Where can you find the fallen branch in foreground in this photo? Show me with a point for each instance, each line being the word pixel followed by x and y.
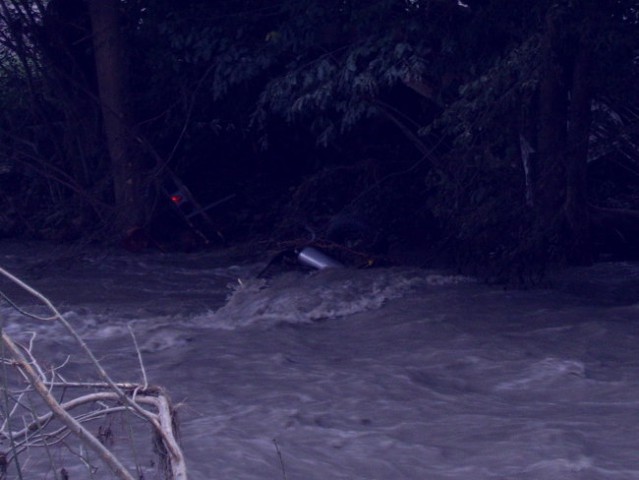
pixel 109 397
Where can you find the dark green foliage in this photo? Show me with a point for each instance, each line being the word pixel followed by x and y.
pixel 445 97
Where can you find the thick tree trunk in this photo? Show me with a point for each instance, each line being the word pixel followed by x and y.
pixel 109 51
pixel 576 161
pixel 549 182
pixel 561 208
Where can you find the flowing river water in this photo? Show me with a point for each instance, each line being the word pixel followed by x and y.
pixel 386 373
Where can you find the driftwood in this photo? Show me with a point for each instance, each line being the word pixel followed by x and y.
pixel 106 398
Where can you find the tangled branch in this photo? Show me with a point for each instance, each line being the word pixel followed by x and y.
pixel 110 397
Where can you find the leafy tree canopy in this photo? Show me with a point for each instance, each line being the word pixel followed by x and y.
pixel 474 106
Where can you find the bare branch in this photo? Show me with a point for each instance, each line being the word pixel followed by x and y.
pixel 112 398
pixel 68 420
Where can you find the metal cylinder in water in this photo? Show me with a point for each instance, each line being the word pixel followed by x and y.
pixel 312 257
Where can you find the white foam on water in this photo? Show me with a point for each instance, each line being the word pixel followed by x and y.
pixel 546 373
pixel 414 375
pixel 298 298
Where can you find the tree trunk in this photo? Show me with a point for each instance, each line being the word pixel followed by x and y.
pixel 561 208
pixel 110 54
pixel 549 182
pixel 579 241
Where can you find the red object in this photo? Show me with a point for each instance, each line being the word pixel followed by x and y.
pixel 177 198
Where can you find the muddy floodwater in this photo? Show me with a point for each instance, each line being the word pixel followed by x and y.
pixel 379 374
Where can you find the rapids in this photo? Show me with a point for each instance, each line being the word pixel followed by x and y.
pixel 379 374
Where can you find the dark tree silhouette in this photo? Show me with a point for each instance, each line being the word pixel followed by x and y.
pixel 111 71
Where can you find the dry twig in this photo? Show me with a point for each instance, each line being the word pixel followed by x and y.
pixel 129 397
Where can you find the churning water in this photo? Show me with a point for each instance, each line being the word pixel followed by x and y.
pixel 389 373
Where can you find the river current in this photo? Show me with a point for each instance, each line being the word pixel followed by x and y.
pixel 378 374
